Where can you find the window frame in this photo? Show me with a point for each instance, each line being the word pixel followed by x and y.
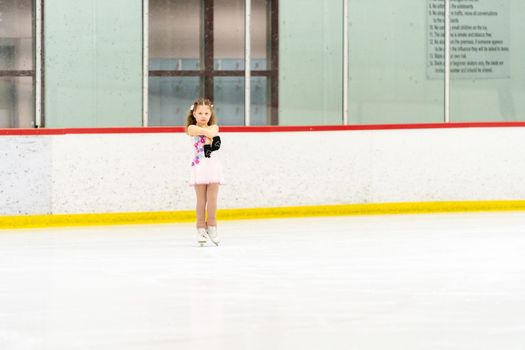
pixel 37 71
pixel 208 73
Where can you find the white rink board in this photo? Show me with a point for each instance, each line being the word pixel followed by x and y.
pixel 104 173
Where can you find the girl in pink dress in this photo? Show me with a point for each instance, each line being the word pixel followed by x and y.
pixel 206 169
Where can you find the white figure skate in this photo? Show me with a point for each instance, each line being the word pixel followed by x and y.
pixel 202 236
pixel 212 234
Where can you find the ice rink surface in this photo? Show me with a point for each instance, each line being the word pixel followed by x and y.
pixel 443 281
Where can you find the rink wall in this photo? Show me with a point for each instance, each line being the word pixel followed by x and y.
pixel 136 173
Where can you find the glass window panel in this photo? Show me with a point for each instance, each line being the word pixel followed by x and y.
pixel 228 31
pixel 16 35
pixel 259 34
pixel 311 61
pixel 93 63
pixel 229 100
pixel 174 34
pixel 396 61
pixel 16 102
pixel 170 98
pixel 487 61
pixel 396 64
pixel 259 111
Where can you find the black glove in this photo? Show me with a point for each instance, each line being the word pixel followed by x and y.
pixel 215 145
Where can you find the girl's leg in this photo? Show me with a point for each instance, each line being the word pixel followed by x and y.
pixel 200 191
pixel 211 199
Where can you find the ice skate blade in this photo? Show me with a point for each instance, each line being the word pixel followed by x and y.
pixel 216 243
pixel 202 244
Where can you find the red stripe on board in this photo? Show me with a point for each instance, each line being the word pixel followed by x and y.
pixel 120 130
pixel 178 129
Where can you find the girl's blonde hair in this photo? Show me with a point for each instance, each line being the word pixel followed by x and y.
pixel 190 119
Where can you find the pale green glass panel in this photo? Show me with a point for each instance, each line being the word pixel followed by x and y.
pixel 396 72
pixel 93 63
pixel 488 61
pixel 310 62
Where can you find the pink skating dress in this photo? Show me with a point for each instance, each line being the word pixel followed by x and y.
pixel 205 170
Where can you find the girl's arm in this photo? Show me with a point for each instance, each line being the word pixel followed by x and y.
pixel 194 130
pixel 215 129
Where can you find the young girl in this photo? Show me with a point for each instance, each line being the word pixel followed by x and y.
pixel 206 169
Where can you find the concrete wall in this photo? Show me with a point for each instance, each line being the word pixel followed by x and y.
pixel 101 173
